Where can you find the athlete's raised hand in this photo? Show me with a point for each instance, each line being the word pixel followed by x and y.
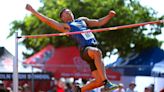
pixel 29 8
pixel 112 13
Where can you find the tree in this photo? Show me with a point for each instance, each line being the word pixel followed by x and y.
pixel 124 40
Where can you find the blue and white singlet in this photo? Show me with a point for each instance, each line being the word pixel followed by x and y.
pixel 83 39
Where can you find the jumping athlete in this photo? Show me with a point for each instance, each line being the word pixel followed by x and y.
pixel 87 43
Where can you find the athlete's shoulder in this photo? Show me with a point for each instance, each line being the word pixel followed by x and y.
pixel 83 18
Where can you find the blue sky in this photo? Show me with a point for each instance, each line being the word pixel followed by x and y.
pixel 15 10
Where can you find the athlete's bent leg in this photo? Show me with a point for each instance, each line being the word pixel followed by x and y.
pixel 96 55
pixel 98 70
pixel 96 82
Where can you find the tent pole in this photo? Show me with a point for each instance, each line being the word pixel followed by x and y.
pixel 15 65
pixel 32 79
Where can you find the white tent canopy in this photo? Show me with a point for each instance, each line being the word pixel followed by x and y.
pixel 6 63
pixel 158 69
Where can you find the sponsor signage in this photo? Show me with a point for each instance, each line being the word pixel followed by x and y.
pixel 26 76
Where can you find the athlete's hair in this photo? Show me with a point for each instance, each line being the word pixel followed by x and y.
pixel 62 12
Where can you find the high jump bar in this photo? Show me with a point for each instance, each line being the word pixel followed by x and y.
pixel 93 30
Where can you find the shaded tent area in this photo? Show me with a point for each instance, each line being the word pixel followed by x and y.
pixel 65 62
pixel 26 74
pixel 139 63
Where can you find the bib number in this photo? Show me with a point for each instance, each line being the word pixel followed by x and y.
pixel 88 35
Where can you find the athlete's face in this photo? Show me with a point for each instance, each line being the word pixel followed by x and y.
pixel 67 15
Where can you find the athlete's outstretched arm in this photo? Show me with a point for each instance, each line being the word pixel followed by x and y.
pixel 101 21
pixel 52 23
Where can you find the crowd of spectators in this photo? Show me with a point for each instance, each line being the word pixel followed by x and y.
pixel 64 85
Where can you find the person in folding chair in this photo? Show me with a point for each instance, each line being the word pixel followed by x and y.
pixel 87 43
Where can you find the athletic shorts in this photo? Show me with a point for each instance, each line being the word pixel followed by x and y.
pixel 84 55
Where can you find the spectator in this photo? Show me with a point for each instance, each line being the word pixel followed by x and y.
pixel 69 87
pixel 26 88
pixel 2 87
pixel 162 90
pixel 9 89
pixel 53 89
pixel 147 89
pixel 132 85
pixel 151 87
pixel 120 89
pixel 61 86
pixel 20 89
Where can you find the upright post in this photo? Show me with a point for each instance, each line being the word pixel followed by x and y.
pixel 15 65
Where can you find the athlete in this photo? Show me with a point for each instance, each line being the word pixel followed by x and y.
pixel 87 43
